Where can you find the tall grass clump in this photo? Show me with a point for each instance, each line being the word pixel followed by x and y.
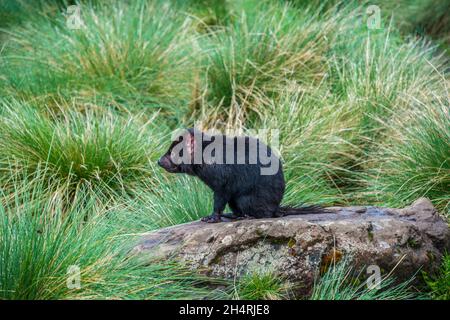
pixel 373 74
pixel 439 283
pixel 341 282
pixel 134 54
pixel 77 149
pixel 414 159
pixel 262 286
pixel 263 51
pixel 373 71
pixel 42 241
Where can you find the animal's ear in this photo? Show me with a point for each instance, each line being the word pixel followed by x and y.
pixel 190 143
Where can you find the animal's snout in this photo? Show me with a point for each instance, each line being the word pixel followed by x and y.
pixel 161 162
pixel 164 162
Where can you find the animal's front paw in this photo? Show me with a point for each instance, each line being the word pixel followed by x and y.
pixel 214 218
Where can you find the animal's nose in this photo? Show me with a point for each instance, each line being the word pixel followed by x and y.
pixel 160 162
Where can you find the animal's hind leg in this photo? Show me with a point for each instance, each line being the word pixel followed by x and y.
pixel 256 206
pixel 236 212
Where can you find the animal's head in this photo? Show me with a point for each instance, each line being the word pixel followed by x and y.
pixel 179 158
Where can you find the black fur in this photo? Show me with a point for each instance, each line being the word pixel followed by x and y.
pixel 242 186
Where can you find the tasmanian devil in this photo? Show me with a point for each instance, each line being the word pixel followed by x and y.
pixel 242 172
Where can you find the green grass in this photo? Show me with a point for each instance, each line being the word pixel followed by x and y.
pixel 123 54
pixel 262 286
pixel 41 238
pixel 262 52
pixel 439 283
pixel 168 201
pixel 414 158
pixel 77 148
pixel 341 282
pixel 362 117
pixel 412 17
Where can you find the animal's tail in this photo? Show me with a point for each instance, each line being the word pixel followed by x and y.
pixel 289 211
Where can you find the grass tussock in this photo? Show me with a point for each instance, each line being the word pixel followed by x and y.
pixel 342 282
pixel 76 149
pixel 414 158
pixel 438 283
pixel 262 286
pixel 121 54
pixel 262 53
pixel 42 241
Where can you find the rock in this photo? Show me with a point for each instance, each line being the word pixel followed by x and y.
pixel 297 247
